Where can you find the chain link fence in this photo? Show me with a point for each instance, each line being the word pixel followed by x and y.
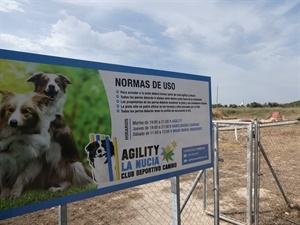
pixel 193 213
pixel 278 200
pixel 235 148
pixel 279 194
pixel 146 204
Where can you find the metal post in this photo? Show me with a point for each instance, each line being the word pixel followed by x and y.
pixel 196 181
pixel 256 178
pixel 175 191
pixel 62 215
pixel 204 189
pixel 264 154
pixel 216 177
pixel 249 173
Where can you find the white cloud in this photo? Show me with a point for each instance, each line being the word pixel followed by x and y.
pixel 10 5
pixel 72 35
pixel 22 44
pixel 237 44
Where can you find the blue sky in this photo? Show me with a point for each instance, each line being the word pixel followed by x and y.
pixel 249 48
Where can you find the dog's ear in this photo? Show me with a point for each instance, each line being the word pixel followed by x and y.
pixel 91 147
pixel 6 95
pixel 41 100
pixel 64 82
pixel 64 79
pixel 35 77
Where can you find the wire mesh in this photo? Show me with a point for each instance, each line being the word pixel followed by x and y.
pixel 281 145
pixel 146 204
pixel 233 173
pixel 193 213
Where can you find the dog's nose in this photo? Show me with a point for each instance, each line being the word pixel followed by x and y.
pixel 51 87
pixel 13 123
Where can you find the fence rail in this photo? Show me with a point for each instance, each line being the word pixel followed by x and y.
pixel 235 148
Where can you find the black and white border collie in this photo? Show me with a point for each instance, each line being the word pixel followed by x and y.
pixel 97 156
pixel 24 139
pixel 64 166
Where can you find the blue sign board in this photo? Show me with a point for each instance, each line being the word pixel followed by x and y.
pixel 73 129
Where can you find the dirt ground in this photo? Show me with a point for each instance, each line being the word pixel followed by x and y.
pixel 151 203
pixel 281 145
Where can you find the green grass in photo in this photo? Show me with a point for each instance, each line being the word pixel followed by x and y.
pixel 34 196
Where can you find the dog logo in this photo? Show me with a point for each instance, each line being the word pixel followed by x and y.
pixel 102 158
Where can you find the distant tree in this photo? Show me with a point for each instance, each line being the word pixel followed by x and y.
pixel 273 104
pixel 292 104
pixel 232 106
pixel 255 105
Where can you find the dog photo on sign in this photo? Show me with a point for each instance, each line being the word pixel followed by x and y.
pixel 46 111
pixel 102 159
pixel 66 168
pixel 36 145
pixel 24 139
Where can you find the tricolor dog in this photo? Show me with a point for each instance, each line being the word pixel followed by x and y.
pixel 24 139
pixel 64 166
pixel 98 159
pixel 54 86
